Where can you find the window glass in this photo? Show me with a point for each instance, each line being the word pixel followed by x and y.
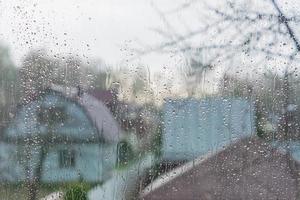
pixel 67 158
pixel 159 99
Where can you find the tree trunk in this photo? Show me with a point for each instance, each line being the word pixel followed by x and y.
pixel 33 182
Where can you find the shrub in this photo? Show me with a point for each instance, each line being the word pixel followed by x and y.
pixel 125 154
pixel 76 191
pixel 157 141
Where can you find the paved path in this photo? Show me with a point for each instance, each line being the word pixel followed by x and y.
pixel 54 196
pixel 123 183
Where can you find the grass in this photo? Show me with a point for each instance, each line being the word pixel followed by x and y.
pixel 10 191
pixel 18 191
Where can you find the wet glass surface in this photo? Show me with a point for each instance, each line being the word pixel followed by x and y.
pixel 138 99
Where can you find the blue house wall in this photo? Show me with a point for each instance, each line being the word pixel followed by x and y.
pixel 94 157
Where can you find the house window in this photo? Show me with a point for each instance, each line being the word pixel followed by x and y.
pixel 66 158
pixel 51 115
pixel 125 153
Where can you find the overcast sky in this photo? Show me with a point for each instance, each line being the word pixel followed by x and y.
pixel 106 29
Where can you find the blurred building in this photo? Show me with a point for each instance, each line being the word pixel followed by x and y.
pixel 108 97
pixel 65 133
pixel 250 168
pixel 193 128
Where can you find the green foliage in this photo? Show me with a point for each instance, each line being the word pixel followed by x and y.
pixel 157 141
pixel 100 79
pixel 8 85
pixel 259 127
pixel 77 191
pixel 125 153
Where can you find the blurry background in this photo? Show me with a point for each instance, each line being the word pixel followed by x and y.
pixel 134 56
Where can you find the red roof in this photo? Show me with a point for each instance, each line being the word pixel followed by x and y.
pixel 247 169
pixel 106 96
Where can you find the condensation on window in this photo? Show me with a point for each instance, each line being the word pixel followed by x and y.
pixel 138 99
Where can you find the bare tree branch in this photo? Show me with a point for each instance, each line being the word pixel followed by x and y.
pixel 283 19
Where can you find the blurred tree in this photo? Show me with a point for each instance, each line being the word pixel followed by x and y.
pixel 258 33
pixel 71 72
pixel 269 33
pixel 102 78
pixel 31 152
pixel 8 99
pixel 235 87
pixel 98 79
pixel 141 86
pixel 37 72
pixel 195 71
pixel 8 86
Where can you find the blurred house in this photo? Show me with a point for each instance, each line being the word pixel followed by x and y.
pixel 108 97
pixel 138 122
pixel 132 118
pixel 79 131
pixel 193 128
pixel 247 169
